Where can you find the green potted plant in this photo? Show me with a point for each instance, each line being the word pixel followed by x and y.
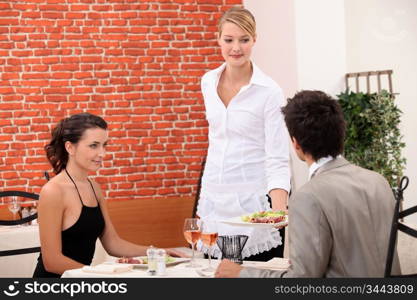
pixel 373 138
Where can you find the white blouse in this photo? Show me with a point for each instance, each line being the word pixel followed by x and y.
pixel 248 140
pixel 247 157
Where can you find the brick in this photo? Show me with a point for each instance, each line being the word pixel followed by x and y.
pixel 10 175
pixel 6 90
pixel 12 98
pixel 20 182
pixel 9 22
pixel 146 192
pixel 75 15
pixel 166 191
pixel 76 7
pixel 4 6
pixel 101 7
pixel 138 65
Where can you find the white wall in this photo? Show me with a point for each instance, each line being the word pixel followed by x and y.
pixel 320 44
pixel 387 39
pixel 301 44
pixel 382 34
pixel 275 53
pixel 306 44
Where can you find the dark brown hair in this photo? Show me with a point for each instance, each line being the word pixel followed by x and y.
pixel 69 130
pixel 316 121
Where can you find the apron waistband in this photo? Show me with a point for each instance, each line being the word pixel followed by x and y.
pixel 246 187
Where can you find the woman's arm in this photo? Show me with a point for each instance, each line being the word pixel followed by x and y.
pixel 50 213
pixel 277 151
pixel 279 199
pixel 113 243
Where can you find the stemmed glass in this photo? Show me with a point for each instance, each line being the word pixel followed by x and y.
pixel 209 236
pixel 192 232
pixel 14 206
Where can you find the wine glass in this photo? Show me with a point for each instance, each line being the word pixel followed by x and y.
pixel 209 236
pixel 192 232
pixel 14 206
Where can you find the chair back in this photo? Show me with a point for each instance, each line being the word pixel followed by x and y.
pixel 397 225
pixel 21 194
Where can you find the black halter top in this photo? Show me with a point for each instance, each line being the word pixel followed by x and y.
pixel 79 240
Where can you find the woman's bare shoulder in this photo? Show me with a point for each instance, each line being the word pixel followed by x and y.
pixel 97 190
pixel 52 192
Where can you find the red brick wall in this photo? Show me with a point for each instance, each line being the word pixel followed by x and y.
pixel 138 64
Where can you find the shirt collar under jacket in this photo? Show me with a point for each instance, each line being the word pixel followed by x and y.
pixel 258 77
pixel 317 164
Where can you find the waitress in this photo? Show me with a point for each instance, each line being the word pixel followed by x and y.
pixel 248 154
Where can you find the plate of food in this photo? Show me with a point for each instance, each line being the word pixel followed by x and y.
pixel 266 219
pixel 142 261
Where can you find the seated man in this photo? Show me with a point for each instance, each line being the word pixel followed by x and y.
pixel 340 219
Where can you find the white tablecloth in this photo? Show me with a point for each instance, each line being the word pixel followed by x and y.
pixel 177 271
pixel 12 238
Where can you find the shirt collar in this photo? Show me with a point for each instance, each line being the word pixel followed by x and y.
pixel 317 164
pixel 258 77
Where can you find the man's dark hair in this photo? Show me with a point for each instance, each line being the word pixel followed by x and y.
pixel 316 121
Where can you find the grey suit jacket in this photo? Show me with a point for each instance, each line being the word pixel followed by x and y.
pixel 339 225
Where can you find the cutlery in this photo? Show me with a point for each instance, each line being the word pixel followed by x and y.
pixel 205 274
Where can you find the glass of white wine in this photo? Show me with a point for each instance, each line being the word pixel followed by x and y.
pixel 14 206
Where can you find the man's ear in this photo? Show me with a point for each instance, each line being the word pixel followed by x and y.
pixel 295 144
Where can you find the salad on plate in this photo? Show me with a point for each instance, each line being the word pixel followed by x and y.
pixel 269 216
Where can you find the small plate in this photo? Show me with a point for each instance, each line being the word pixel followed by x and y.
pixel 237 221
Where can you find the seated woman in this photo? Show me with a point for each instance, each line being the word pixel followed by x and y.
pixel 72 210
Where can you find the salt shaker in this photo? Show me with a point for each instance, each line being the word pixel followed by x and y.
pixel 151 253
pixel 160 262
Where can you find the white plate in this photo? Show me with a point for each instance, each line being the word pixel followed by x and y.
pixel 174 261
pixel 237 221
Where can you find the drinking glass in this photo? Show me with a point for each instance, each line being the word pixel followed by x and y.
pixel 209 236
pixel 14 206
pixel 192 233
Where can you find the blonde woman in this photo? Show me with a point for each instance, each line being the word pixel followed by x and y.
pixel 248 152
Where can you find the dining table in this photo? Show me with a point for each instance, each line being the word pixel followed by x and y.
pixel 27 236
pixel 112 269
pixel 18 237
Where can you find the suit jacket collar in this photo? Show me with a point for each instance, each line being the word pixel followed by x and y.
pixel 335 163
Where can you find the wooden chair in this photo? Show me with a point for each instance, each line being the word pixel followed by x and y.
pixel 157 222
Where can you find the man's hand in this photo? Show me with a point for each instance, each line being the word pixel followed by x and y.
pixel 227 269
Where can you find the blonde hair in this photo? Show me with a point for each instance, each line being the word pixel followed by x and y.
pixel 240 17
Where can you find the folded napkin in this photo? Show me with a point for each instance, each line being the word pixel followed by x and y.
pixel 107 269
pixel 276 263
pixel 5 228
